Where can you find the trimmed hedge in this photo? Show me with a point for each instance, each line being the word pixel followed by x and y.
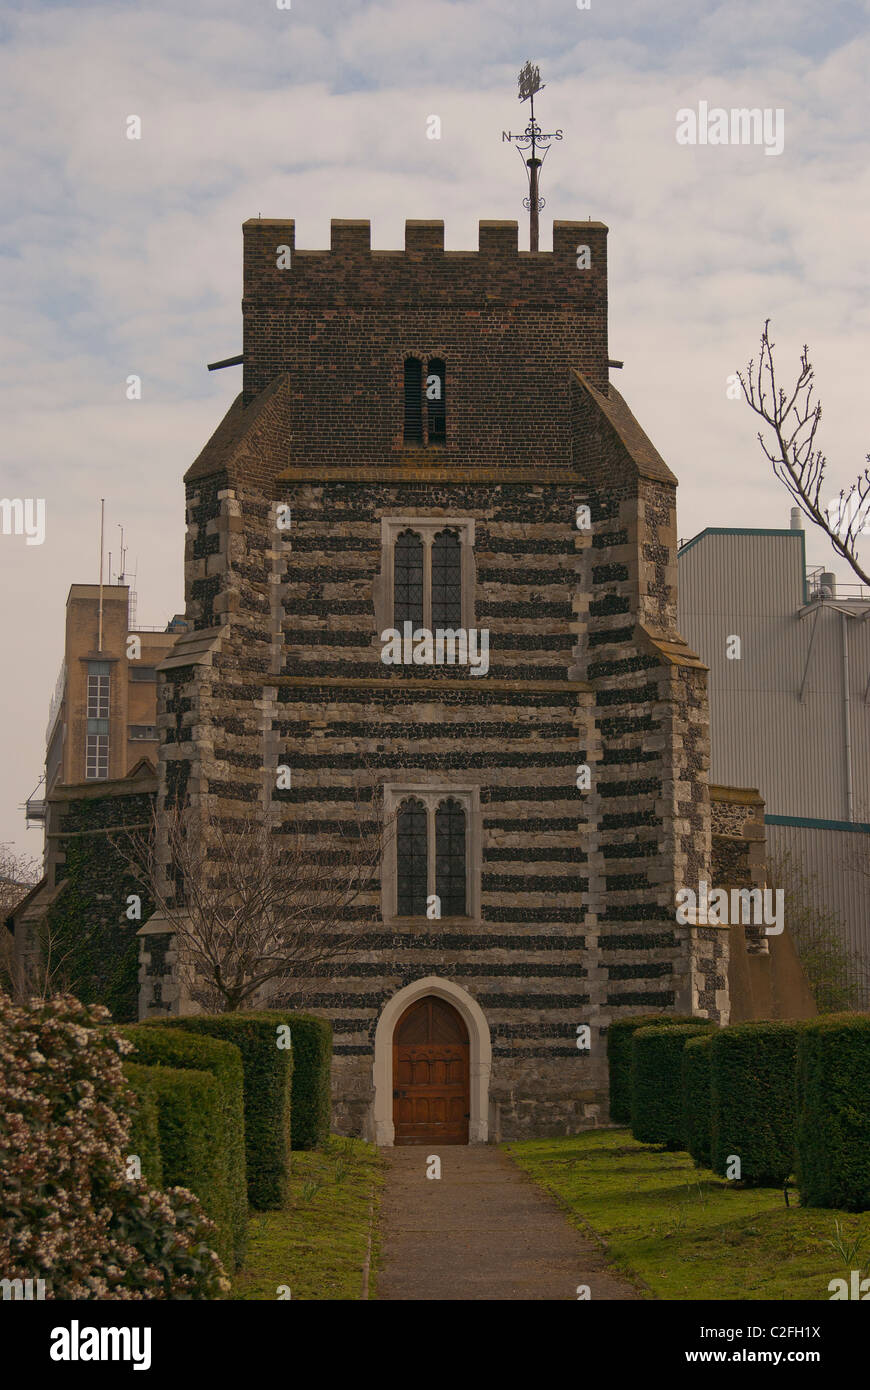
pixel 145 1128
pixel 657 1082
pixel 175 1048
pixel 192 1142
pixel 752 1100
pixel 619 1035
pixel 312 1078
pixel 832 1132
pixel 696 1097
pixel 268 1075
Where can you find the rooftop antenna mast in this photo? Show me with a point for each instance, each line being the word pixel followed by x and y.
pixel 100 618
pixel 532 143
pixel 123 554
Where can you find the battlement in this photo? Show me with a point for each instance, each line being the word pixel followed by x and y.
pixel 353 236
pixel 508 323
pixel 275 269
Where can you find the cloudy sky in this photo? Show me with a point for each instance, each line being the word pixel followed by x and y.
pixel 120 256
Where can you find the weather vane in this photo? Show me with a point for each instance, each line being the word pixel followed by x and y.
pixel 533 141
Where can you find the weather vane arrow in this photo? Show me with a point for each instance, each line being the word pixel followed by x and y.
pixel 534 143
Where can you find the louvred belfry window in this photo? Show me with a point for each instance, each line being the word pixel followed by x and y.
pixel 408 579
pixel 436 408
pixel 413 400
pixel 412 859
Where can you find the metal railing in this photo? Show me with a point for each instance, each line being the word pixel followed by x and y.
pixel 845 591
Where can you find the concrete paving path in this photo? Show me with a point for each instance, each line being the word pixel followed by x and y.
pixel 483 1230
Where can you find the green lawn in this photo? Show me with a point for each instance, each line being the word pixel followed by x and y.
pixel 684 1232
pixel 317 1245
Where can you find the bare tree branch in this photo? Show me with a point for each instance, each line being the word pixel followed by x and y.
pixel 18 874
pixel 796 461
pixel 253 904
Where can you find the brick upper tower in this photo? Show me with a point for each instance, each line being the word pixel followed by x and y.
pixel 509 325
pixel 558 894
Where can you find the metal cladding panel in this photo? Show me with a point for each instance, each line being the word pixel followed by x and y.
pixel 762 735
pixel 836 865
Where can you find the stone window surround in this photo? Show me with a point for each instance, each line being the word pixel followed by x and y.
pixel 432 794
pixel 427 527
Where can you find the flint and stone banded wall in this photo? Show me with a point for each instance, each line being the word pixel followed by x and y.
pixel 576 922
pixel 577 889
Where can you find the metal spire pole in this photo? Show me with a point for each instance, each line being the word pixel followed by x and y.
pixel 535 143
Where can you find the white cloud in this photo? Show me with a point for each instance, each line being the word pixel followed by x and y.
pixel 121 256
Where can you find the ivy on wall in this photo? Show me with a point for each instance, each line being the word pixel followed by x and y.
pixel 87 939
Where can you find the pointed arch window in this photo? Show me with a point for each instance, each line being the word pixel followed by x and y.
pixel 446 580
pixel 450 857
pixel 408 578
pixel 431 573
pixel 412 858
pixel 435 852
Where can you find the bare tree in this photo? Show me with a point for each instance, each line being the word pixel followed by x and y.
pixel 254 905
pixel 18 874
pixel 794 420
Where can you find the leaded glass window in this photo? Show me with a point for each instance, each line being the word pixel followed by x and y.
pixel 450 858
pixel 408 579
pixel 412 859
pixel 446 580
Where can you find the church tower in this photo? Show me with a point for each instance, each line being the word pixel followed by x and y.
pixel 440 429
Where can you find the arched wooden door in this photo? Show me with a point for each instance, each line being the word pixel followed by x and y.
pixel 431 1099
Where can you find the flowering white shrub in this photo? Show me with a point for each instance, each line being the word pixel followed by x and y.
pixel 68 1213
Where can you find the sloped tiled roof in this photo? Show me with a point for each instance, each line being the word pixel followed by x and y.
pixel 637 449
pixel 245 429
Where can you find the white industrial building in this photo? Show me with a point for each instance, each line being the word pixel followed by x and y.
pixel 789 655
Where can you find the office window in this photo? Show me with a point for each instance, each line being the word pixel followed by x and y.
pixel 98 689
pixel 143 673
pixel 139 732
pixel 97 756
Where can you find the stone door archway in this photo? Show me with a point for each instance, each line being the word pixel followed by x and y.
pixel 479 1056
